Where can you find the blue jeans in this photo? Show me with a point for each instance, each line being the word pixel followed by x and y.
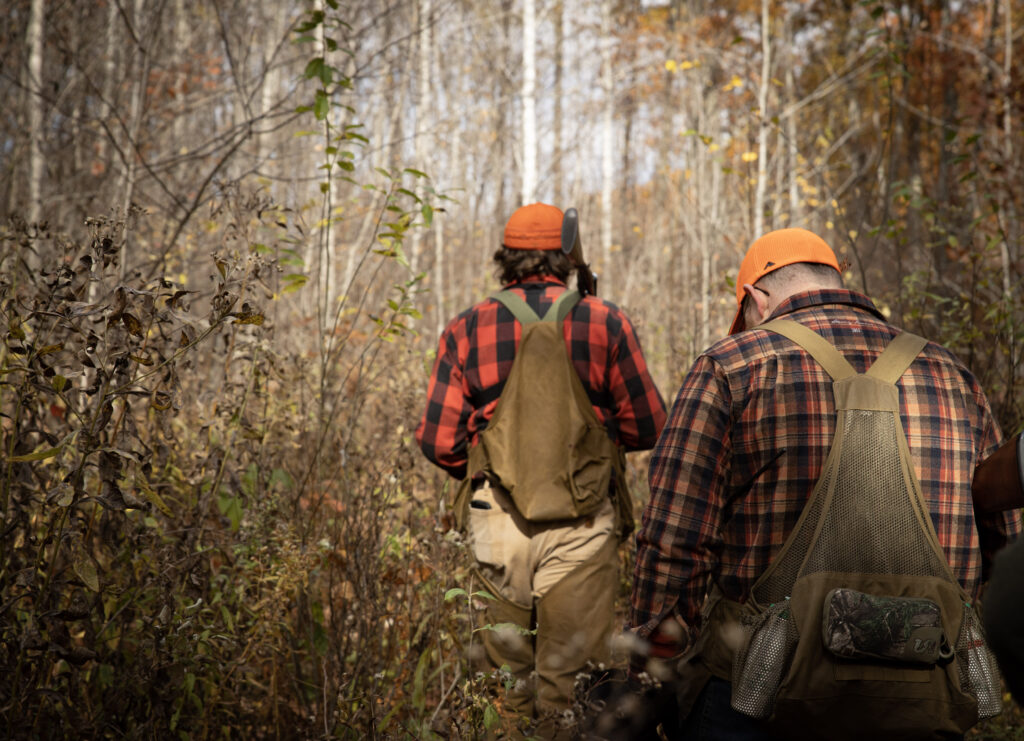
pixel 713 719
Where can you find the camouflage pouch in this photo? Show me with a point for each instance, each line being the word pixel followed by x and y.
pixel 856 625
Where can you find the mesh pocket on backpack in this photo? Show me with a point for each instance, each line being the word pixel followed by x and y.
pixel 763 659
pixel 979 673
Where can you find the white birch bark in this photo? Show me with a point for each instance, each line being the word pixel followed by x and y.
pixel 558 175
pixel 424 10
pixel 529 101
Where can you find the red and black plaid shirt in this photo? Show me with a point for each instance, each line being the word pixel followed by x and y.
pixel 475 356
pixel 747 438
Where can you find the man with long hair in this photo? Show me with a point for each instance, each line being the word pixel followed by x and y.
pixel 554 577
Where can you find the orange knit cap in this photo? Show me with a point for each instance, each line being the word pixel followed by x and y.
pixel 534 227
pixel 773 251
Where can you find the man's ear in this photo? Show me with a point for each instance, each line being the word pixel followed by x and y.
pixel 760 300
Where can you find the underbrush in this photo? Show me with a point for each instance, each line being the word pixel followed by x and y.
pixel 202 534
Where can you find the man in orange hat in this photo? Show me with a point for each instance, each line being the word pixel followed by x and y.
pixel 544 541
pixel 742 451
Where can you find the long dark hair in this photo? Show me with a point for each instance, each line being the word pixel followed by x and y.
pixel 515 265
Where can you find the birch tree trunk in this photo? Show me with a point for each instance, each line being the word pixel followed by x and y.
pixel 34 98
pixel 762 112
pixel 529 101
pixel 557 175
pixel 422 102
pixel 440 314
pixel 607 134
pixel 326 252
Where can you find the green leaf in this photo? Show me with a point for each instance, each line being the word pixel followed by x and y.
pixel 250 480
pixel 59 383
pixel 455 592
pixel 280 477
pixel 321 106
pixel 491 718
pixel 313 68
pixel 230 507
pixel 294 282
pixel 428 214
pixel 416 173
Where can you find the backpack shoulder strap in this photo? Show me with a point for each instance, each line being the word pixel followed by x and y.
pixel 819 348
pixel 519 308
pixel 560 309
pixel 897 357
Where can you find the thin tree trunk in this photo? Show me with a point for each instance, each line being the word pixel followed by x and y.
pixel 34 42
pixel 762 112
pixel 529 101
pixel 1008 210
pixel 607 134
pixel 131 142
pixel 1008 204
pixel 422 101
pixel 791 150
pixel 183 54
pixel 556 155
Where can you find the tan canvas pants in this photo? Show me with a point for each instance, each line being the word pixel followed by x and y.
pixel 558 578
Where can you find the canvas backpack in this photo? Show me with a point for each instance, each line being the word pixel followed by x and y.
pixel 858 628
pixel 544 444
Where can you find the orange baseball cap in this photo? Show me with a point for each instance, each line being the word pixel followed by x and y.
pixel 775 250
pixel 534 227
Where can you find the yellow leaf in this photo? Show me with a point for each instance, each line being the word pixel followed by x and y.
pixel 734 83
pixel 156 500
pixel 688 65
pixel 39 455
pixel 853 234
pixel 670 65
pixel 829 225
pixel 713 147
pixel 749 156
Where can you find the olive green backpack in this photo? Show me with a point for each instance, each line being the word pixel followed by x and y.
pixel 544 444
pixel 858 628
